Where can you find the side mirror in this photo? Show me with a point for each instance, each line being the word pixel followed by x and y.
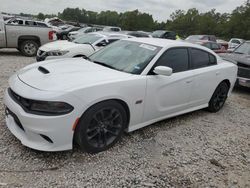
pixel 162 70
pixel 101 44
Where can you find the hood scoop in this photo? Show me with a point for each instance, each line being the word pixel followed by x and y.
pixel 43 70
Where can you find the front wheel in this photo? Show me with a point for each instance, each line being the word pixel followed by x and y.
pixel 219 97
pixel 29 48
pixel 101 126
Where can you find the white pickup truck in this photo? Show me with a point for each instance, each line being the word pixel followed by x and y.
pixel 27 39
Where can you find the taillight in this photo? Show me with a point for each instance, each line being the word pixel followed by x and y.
pixel 51 35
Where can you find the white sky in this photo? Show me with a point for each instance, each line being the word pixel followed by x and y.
pixel 160 9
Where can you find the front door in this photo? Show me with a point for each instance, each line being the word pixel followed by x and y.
pixel 166 95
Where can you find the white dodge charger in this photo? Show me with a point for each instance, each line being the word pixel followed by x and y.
pixel 128 85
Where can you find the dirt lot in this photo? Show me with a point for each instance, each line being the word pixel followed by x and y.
pixel 199 149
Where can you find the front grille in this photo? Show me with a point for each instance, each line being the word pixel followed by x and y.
pixel 243 70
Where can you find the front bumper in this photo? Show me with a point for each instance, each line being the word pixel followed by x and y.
pixel 44 133
pixel 245 82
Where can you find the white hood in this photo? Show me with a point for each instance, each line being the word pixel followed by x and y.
pixel 68 74
pixel 59 45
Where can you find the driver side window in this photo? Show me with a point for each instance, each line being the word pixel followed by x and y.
pixel 176 58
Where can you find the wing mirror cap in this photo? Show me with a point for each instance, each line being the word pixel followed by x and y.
pixel 164 71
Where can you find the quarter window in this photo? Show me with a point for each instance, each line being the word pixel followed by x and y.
pixel 201 59
pixel 177 59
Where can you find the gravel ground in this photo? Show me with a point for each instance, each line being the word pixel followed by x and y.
pixel 199 149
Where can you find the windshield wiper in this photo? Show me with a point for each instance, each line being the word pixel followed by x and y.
pixel 87 58
pixel 105 65
pixel 89 44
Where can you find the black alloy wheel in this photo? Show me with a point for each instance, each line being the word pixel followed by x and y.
pixel 101 126
pixel 219 97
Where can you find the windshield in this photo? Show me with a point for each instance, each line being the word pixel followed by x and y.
pixel 88 38
pixel 158 33
pixel 243 49
pixel 127 56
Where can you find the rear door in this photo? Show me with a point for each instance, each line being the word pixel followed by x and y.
pixel 207 75
pixel 2 34
pixel 166 95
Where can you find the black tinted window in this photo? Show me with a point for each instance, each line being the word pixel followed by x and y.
pixel 201 58
pixel 177 59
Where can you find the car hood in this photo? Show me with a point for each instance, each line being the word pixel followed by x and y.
pixel 239 58
pixel 68 74
pixel 58 45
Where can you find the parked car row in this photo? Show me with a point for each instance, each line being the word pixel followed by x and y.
pixel 80 47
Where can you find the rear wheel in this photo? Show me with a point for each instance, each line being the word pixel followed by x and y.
pixel 29 48
pixel 101 126
pixel 219 97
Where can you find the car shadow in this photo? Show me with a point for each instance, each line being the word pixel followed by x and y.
pixel 10 52
pixel 241 90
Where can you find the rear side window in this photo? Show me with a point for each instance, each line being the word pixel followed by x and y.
pixel 201 59
pixel 176 58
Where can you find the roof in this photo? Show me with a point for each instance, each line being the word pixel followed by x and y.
pixel 166 43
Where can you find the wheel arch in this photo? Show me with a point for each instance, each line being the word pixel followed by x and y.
pixel 29 37
pixel 227 82
pixel 120 101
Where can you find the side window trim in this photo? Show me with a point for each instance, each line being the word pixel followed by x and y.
pixel 209 54
pixel 180 47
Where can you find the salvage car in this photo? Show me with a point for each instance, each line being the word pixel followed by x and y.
pixel 201 37
pixel 80 47
pixel 234 43
pixel 241 56
pixel 76 34
pixel 127 85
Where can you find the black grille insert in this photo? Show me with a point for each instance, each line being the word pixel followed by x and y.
pixel 17 121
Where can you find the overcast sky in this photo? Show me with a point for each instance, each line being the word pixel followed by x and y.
pixel 160 9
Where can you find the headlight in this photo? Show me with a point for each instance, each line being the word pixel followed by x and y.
pixel 41 107
pixel 57 53
pixel 49 108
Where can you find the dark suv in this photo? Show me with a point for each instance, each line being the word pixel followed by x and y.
pixel 164 34
pixel 241 55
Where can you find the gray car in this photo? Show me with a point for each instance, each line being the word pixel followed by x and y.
pixel 241 56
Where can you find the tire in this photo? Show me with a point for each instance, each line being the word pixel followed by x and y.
pixel 29 48
pixel 101 126
pixel 219 97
